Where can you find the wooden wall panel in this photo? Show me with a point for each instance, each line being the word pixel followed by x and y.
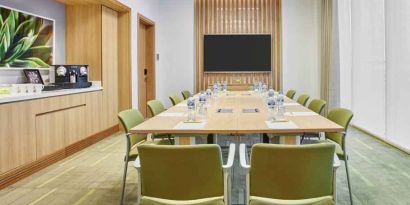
pixel 83 38
pixel 109 67
pixel 238 17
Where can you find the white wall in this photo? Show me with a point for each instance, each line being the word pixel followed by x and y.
pixel 398 71
pixel 176 67
pixel 149 9
pixel 368 82
pixel 47 8
pixel 301 38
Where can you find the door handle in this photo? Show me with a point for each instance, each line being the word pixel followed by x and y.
pixel 145 73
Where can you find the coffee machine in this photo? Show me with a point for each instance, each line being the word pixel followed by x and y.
pixel 70 76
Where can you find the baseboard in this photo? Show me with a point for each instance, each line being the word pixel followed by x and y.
pixel 17 174
pixel 381 139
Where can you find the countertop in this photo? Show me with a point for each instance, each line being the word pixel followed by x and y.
pixel 96 86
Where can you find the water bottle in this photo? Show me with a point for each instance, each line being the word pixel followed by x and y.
pixel 191 109
pixel 281 107
pixel 271 93
pixel 202 109
pixel 271 108
pixel 208 96
pixel 264 88
pixel 225 86
pixel 215 89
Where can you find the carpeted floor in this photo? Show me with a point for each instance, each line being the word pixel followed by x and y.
pixel 380 175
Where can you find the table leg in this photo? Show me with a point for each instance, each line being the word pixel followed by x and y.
pixel 265 138
pixel 210 139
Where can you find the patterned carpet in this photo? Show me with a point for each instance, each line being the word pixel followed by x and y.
pixel 380 175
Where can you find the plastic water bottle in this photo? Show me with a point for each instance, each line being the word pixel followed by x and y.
pixel 215 89
pixel 202 109
pixel 271 108
pixel 208 96
pixel 281 106
pixel 225 86
pixel 271 93
pixel 191 109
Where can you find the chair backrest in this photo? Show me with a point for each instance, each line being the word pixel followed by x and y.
pixel 342 117
pixel 291 94
pixel 181 172
pixel 302 99
pixel 155 107
pixel 186 94
pixel 129 119
pixel 174 99
pixel 291 171
pixel 317 105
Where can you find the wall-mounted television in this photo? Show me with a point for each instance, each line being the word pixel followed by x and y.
pixel 237 53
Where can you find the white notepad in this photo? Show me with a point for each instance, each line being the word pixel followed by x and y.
pixel 190 126
pixel 172 114
pixel 281 125
pixel 291 104
pixel 301 114
pixel 181 105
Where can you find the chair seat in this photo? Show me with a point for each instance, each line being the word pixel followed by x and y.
pixel 134 152
pixel 326 200
pixel 145 200
pixel 338 149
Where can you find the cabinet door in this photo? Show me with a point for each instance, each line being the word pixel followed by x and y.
pixel 93 113
pixel 75 127
pixel 50 128
pixel 17 135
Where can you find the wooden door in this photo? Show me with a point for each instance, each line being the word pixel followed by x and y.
pixel 146 63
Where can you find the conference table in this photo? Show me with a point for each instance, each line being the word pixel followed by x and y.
pixel 236 120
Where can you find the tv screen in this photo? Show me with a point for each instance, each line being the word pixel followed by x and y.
pixel 237 53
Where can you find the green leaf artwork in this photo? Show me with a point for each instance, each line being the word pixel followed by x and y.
pixel 26 41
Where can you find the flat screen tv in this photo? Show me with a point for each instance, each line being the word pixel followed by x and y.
pixel 237 53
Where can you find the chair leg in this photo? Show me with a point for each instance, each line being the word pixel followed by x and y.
pixel 265 138
pixel 171 141
pixel 348 181
pixel 302 138
pixel 124 180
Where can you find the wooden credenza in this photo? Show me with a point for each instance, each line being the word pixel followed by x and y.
pixel 36 133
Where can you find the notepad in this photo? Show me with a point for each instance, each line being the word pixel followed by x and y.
pixel 190 125
pixel 181 105
pixel 281 125
pixel 301 114
pixel 291 104
pixel 172 114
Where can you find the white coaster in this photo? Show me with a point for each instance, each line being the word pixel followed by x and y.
pixel 281 125
pixel 301 114
pixel 190 125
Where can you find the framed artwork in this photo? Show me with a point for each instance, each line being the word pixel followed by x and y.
pixel 33 76
pixel 27 40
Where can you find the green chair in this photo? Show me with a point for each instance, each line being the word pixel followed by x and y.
pixel 317 105
pixel 156 107
pixel 175 99
pixel 186 94
pixel 342 117
pixel 291 94
pixel 183 174
pixel 290 174
pixel 302 99
pixel 129 119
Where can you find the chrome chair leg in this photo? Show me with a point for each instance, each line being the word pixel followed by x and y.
pixel 348 181
pixel 124 180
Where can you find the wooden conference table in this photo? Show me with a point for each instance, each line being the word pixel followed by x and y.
pixel 300 118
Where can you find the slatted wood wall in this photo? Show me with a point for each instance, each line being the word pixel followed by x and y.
pixel 238 17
